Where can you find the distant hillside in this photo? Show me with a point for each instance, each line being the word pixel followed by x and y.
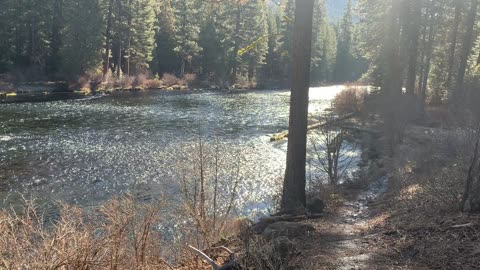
pixel 336 8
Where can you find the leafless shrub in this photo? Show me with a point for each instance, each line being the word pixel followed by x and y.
pixel 169 79
pixel 241 83
pixel 331 150
pixel 120 235
pixel 350 100
pixel 83 83
pixel 190 78
pixel 153 84
pixel 126 82
pixel 139 80
pixel 209 183
pixel 259 253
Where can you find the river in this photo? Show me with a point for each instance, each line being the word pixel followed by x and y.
pixel 84 151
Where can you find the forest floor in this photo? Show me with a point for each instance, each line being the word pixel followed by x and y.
pixel 399 221
pixel 401 213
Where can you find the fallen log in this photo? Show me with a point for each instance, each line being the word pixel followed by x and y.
pixel 204 257
pixel 283 135
pixel 233 264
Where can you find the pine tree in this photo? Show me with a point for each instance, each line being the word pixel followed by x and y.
pixel 287 15
pixel 141 37
pixel 83 41
pixel 271 71
pixel 323 44
pixel 255 32
pixel 186 32
pixel 294 197
pixel 344 59
pixel 467 45
pixel 165 58
pixel 213 40
pixel 56 38
pixel 6 36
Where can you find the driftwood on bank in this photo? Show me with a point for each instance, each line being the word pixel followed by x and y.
pixel 228 266
pixel 204 257
pixel 283 135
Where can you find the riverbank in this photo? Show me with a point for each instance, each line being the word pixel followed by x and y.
pixel 401 212
pixel 39 92
pixel 398 212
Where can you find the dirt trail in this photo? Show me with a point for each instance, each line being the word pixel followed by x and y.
pixel 339 241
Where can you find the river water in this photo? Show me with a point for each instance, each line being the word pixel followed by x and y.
pixel 84 151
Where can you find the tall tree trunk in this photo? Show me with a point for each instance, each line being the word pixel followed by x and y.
pixel 393 81
pixel 467 48
pixel 119 59
pixel 416 11
pixel 129 38
pixel 471 195
pixel 106 58
pixel 182 68
pixel 294 198
pixel 453 43
pixel 236 46
pixel 424 46
pixel 119 40
pixel 428 60
pixel 56 38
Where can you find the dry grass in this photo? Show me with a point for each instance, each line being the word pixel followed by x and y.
pixel 420 218
pixel 190 78
pixel 139 81
pixel 350 100
pixel 171 80
pixel 153 84
pixel 120 235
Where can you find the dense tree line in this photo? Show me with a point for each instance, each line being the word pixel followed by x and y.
pixel 221 41
pixel 418 51
pixel 429 48
pixel 425 52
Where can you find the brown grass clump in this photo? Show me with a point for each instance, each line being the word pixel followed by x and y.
pixel 350 100
pixel 153 84
pixel 119 235
pixel 125 82
pixel 84 85
pixel 170 79
pixel 190 78
pixel 139 80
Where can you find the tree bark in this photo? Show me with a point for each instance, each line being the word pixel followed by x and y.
pixel 119 40
pixel 129 38
pixel 236 46
pixel 471 196
pixel 453 43
pixel 428 60
pixel 106 58
pixel 424 45
pixel 393 81
pixel 414 30
pixel 119 59
pixel 56 39
pixel 294 198
pixel 467 47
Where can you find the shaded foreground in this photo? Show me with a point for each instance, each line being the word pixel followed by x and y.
pixel 401 213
